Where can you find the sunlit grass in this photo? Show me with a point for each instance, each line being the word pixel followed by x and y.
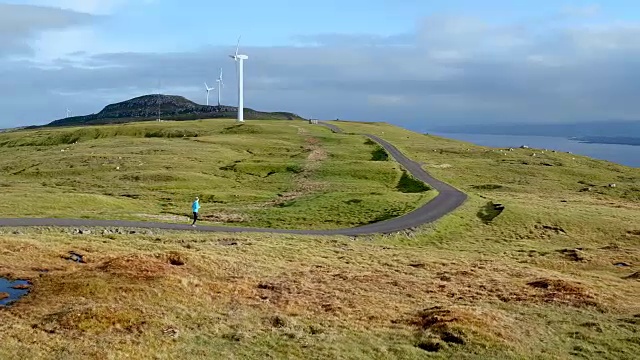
pixel 255 173
pixel 553 276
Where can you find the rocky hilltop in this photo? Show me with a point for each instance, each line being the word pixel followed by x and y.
pixel 171 107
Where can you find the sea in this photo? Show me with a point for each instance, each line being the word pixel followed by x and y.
pixel 622 154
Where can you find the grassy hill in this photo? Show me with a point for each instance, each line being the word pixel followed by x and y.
pixel 553 276
pixel 150 107
pixel 260 174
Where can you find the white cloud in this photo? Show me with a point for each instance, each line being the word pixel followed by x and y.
pixel 99 7
pixel 20 24
pixel 450 69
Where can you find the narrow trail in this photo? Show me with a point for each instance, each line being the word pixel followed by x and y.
pixel 448 199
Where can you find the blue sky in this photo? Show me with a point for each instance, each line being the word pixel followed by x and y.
pixel 404 61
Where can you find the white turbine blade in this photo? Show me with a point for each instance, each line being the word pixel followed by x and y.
pixel 238 46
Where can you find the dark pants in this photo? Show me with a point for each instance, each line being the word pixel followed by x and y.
pixel 195 217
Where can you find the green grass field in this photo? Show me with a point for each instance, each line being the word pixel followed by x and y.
pixel 282 174
pixel 556 275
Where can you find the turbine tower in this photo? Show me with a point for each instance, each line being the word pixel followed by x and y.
pixel 239 59
pixel 68 112
pixel 208 89
pixel 220 86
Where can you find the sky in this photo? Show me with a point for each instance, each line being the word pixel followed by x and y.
pixel 408 62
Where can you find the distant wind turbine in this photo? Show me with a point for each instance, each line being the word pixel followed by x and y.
pixel 220 86
pixel 208 90
pixel 158 98
pixel 239 59
pixel 68 112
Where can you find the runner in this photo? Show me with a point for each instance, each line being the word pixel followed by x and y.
pixel 195 207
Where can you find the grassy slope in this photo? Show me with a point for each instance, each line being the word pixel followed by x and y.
pixel 537 282
pixel 265 174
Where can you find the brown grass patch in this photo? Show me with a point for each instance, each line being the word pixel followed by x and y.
pixel 564 292
pixel 95 319
pixel 375 296
pixel 4 296
pixel 174 258
pixel 142 267
pixel 439 327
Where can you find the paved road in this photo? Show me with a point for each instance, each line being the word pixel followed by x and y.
pixel 447 201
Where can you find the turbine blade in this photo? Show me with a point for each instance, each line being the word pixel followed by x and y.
pixel 238 46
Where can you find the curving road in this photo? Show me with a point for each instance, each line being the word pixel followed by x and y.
pixel 448 199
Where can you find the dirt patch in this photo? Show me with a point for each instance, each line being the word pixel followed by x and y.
pixel 317 154
pixel 277 321
pixel 75 257
pixel 574 254
pixel 223 218
pixel 230 242
pixel 564 292
pixel 4 296
pixel 166 217
pixel 551 229
pixel 141 266
pixel 436 317
pixel 634 276
pixel 440 327
pixel 174 258
pixel 303 185
pixel 439 166
pixel 277 287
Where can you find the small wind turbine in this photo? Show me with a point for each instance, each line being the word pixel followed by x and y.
pixel 208 90
pixel 220 86
pixel 68 112
pixel 239 59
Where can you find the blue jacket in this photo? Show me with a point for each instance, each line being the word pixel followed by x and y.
pixel 195 206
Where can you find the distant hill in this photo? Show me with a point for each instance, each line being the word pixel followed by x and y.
pixel 145 108
pixel 586 129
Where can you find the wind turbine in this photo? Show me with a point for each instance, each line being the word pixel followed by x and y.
pixel 220 86
pixel 68 112
pixel 239 59
pixel 208 89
